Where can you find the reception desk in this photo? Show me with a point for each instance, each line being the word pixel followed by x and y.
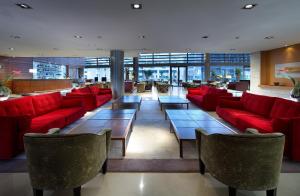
pixel 21 86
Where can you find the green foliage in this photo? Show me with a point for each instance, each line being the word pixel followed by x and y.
pixel 296 90
pixel 238 71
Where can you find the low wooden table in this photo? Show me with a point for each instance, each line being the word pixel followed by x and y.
pixel 184 122
pixel 169 100
pixel 137 100
pixel 119 121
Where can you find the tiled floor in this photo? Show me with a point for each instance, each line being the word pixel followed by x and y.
pixel 150 139
pixel 146 184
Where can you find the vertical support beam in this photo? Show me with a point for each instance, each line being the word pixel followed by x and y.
pixel 117 73
pixel 67 71
pixel 136 68
pixel 207 66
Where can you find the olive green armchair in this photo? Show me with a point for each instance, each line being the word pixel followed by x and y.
pixel 65 161
pixel 242 161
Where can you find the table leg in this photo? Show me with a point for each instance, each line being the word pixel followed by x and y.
pixel 180 149
pixel 161 107
pixel 123 147
pixel 187 106
pixel 166 118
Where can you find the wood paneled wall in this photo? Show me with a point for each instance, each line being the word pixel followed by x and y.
pixel 20 86
pixel 277 56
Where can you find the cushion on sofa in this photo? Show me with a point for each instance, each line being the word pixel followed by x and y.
pixel 69 114
pixel 258 104
pixel 283 108
pixel 262 124
pixel 46 102
pixel 38 124
pixel 17 107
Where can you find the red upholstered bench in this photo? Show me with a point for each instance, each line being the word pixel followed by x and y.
pixel 92 96
pixel 206 97
pixel 35 114
pixel 266 114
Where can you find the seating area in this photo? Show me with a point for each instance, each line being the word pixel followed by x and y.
pixel 149 98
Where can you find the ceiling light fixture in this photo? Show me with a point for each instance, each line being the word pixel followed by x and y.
pixel 11 49
pixel 269 37
pixel 205 37
pixel 136 6
pixel 78 36
pixel 23 5
pixel 237 37
pixel 142 36
pixel 249 6
pixel 15 37
pixel 99 36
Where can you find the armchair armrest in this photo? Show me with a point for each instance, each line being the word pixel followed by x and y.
pixel 107 133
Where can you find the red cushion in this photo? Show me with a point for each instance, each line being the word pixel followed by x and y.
pixel 225 103
pixel 42 124
pixel 232 115
pixel 258 104
pixel 283 108
pixel 17 107
pixel 204 89
pixel 94 89
pixel 83 90
pixel 46 103
pixel 195 91
pixel 263 125
pixel 69 103
pixel 69 114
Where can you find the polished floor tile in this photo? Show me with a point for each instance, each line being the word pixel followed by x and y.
pixel 146 184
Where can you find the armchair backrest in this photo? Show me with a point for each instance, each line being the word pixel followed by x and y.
pixel 65 160
pixel 243 161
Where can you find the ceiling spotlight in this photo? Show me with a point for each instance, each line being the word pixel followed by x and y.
pixel 142 36
pixel 23 5
pixel 205 36
pixel 11 49
pixel 237 37
pixel 99 36
pixel 269 37
pixel 78 36
pixel 15 37
pixel 136 6
pixel 249 6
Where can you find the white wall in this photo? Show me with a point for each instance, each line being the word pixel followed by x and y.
pixel 255 80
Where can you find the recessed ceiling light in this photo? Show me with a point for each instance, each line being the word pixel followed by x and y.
pixel 269 37
pixel 142 36
pixel 237 37
pixel 15 37
pixel 23 5
pixel 136 6
pixel 249 6
pixel 99 36
pixel 205 36
pixel 11 49
pixel 78 36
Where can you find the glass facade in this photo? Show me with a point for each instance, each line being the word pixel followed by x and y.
pixel 180 67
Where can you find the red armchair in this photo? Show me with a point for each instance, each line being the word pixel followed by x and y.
pixel 35 114
pixel 206 97
pixel 92 96
pixel 266 114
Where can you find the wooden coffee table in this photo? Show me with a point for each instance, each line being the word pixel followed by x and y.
pixel 184 122
pixel 170 100
pixel 137 100
pixel 119 121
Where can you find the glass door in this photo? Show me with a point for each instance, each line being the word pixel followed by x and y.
pixel 178 75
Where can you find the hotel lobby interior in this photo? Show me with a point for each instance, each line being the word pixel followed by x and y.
pixel 155 98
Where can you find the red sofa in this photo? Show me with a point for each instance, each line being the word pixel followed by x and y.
pixel 35 114
pixel 91 96
pixel 206 97
pixel 267 115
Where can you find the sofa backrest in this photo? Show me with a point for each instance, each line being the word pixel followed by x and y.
pixel 283 108
pixel 85 90
pixel 258 104
pixel 94 89
pixel 213 90
pixel 17 107
pixel 46 103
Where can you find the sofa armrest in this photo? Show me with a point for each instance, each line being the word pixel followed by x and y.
pixel 295 139
pixel 228 103
pixel 11 134
pixel 69 103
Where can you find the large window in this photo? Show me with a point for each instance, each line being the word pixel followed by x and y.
pixel 196 73
pixel 154 73
pixel 229 72
pixel 92 73
pixel 93 62
pixel 171 58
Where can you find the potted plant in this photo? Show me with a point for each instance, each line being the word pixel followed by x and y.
pixel 238 72
pixel 5 91
pixel 295 93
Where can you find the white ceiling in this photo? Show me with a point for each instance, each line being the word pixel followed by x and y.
pixel 169 25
